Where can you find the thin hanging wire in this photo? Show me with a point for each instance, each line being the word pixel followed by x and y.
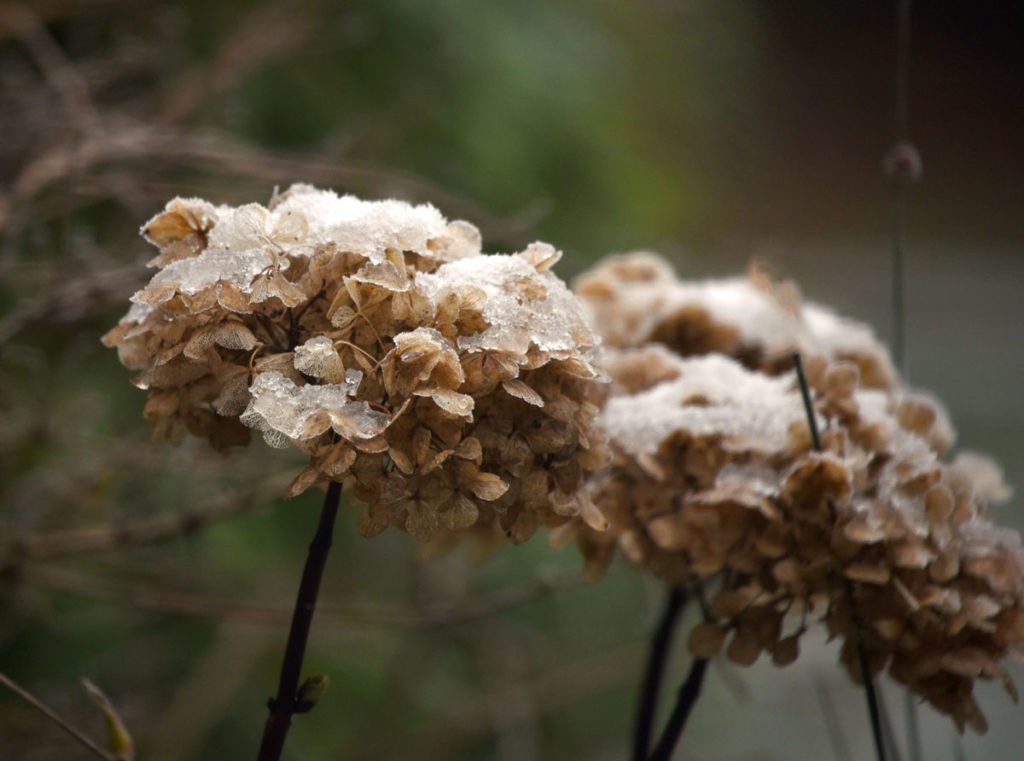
pixel 903 166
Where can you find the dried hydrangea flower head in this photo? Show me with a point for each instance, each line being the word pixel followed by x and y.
pixel 637 299
pixel 449 389
pixel 714 478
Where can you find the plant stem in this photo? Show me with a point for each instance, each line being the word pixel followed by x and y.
pixel 913 730
pixel 688 694
pixel 656 660
pixel 284 706
pixel 862 658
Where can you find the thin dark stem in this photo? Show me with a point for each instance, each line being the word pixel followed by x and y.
pixel 805 392
pixel 834 728
pixel 903 166
pixel 958 748
pixel 862 658
pixel 899 205
pixel 892 749
pixel 913 730
pixel 285 705
pixel 688 694
pixel 871 694
pixel 661 644
pixel 902 67
pixel 899 351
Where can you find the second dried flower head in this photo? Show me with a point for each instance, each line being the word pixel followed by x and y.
pixel 715 485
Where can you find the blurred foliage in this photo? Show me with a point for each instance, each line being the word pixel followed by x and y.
pixel 730 128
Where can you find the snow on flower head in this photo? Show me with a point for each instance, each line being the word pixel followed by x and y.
pixel 447 388
pixel 637 299
pixel 714 480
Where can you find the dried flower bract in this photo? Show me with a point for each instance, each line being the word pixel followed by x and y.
pixel 714 479
pixel 447 388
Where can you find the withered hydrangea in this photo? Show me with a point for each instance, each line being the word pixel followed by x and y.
pixel 714 479
pixel 449 389
pixel 636 299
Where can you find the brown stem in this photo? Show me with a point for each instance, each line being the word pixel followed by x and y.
pixel 656 660
pixel 686 700
pixel 285 704
pixel 874 707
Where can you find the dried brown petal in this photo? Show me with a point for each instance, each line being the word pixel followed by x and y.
pixel 706 639
pixel 743 648
pixel 786 651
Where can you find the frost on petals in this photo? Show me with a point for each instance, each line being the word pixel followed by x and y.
pixel 714 479
pixel 636 299
pixel 288 413
pixel 448 389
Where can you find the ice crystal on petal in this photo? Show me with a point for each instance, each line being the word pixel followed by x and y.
pixel 319 359
pixel 301 413
pixel 523 307
pixel 190 276
pixel 253 228
pixel 369 228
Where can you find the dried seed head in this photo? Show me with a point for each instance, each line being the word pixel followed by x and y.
pixel 714 479
pixel 636 299
pixel 450 390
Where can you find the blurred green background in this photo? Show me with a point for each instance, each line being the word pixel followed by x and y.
pixel 712 132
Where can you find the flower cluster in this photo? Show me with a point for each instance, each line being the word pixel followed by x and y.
pixel 455 391
pixel 715 480
pixel 636 299
pixel 447 388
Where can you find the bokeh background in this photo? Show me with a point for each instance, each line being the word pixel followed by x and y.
pixel 712 132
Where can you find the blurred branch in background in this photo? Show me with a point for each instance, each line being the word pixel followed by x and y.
pixel 143 531
pixel 77 735
pixel 78 155
pixel 330 615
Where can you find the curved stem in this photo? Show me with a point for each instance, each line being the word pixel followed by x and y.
pixel 661 644
pixel 687 699
pixel 285 705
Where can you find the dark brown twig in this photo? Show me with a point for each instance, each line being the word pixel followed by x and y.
pixel 80 737
pixel 892 749
pixel 661 645
pixel 686 700
pixel 286 704
pixel 688 693
pixel 862 658
pixel 913 730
